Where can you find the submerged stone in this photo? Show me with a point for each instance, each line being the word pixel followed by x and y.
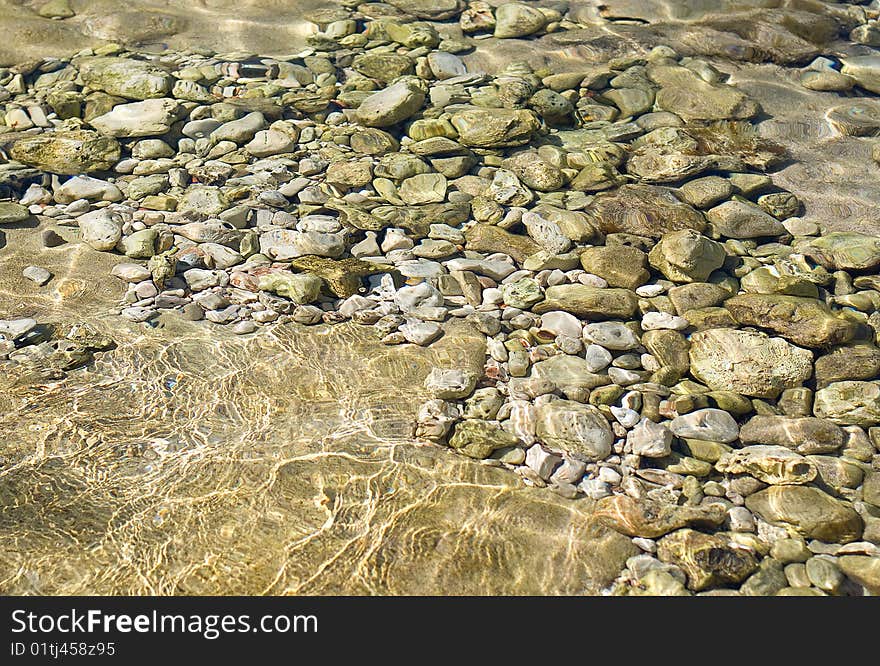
pixel 849 403
pixel 392 105
pixel 804 321
pixel 301 288
pixel 343 276
pixel 495 128
pixel 776 465
pixel 748 362
pixel 806 435
pixel 809 511
pixel 589 302
pixel 649 519
pixel 686 256
pixel 69 152
pixel 576 428
pixel 12 213
pixel 707 560
pixel 476 438
pixel 126 77
pixel 644 210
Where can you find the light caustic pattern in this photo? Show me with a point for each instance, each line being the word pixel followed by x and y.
pixel 192 461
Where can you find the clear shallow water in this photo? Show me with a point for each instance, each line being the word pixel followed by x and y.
pixel 191 461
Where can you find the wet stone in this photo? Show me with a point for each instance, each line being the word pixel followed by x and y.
pixel 38 275
pixel 706 559
pixel 713 425
pixel 478 438
pixel 811 512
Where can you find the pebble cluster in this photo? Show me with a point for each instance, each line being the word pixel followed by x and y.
pixel 36 353
pixel 665 334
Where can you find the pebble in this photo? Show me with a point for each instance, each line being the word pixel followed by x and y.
pixel 36 274
pixel 610 335
pixel 244 327
pixel 14 329
pixel 541 461
pixel 712 425
pixel 421 332
pixel 652 321
pixel 597 358
pixel 649 439
pixel 431 192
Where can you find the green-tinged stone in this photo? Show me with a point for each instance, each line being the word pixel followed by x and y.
pixel 649 519
pixel 68 152
pixel 670 348
pixel 522 294
pixel 384 67
pixel 544 260
pixel 800 592
pixel 697 295
pixel 392 105
pixel 706 192
pixel 836 473
pixel 589 302
pixel 126 77
pixel 804 321
pixel 203 199
pixel 871 488
pixel 491 238
pixel 708 560
pixel 573 224
pixel 56 9
pixel 418 219
pixel 159 202
pixel 301 288
pixel 495 128
pixel 686 256
pixel 844 250
pixel 146 186
pixel 605 395
pixel 596 177
pixel 423 189
pixel 413 35
pixel 740 219
pixel 679 464
pixel 849 403
pixel 517 19
pixel 687 95
pixel 373 141
pixel 140 245
pixel 708 452
pixel 66 103
pixel 620 266
pixel 569 371
pixel 809 511
pixel 766 581
pixel 478 439
pixel 343 276
pixel 748 362
pixel 645 210
pixel 708 318
pixel 806 435
pixel 862 569
pixel 534 171
pixel 12 213
pixel 776 465
pixel 656 583
pixel 429 128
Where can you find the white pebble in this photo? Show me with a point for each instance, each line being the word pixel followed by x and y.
pixel 652 321
pixel 650 290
